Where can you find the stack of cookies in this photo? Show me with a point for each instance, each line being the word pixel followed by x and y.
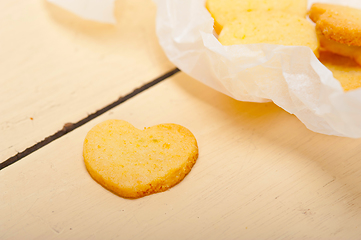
pixel 336 39
pixel 263 21
pixel 339 32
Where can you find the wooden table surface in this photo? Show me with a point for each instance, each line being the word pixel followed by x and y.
pixel 260 173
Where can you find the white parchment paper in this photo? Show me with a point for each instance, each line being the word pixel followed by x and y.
pixel 96 10
pixel 291 77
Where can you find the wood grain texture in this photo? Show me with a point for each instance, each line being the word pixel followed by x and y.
pixel 260 175
pixel 57 68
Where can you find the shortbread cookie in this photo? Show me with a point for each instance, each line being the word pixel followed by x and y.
pixel 224 11
pixel 338 23
pixel 344 69
pixel 134 163
pixel 353 52
pixel 272 27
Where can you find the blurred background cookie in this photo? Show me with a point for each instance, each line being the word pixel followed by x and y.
pixel 353 52
pixel 224 11
pixel 344 69
pixel 338 23
pixel 338 28
pixel 274 27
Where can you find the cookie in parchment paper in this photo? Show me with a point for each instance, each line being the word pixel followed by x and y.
pixel 225 11
pixel 338 29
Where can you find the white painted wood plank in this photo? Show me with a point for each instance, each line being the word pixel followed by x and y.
pixel 57 68
pixel 260 175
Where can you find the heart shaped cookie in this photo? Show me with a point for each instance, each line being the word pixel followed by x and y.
pixel 134 163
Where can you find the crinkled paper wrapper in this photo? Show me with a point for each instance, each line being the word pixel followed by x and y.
pixel 291 77
pixel 95 10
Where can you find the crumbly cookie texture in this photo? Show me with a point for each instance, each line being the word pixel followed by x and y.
pixel 274 27
pixel 338 23
pixel 344 69
pixel 224 11
pixel 134 163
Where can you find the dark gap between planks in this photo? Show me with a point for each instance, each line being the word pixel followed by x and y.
pixel 71 126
